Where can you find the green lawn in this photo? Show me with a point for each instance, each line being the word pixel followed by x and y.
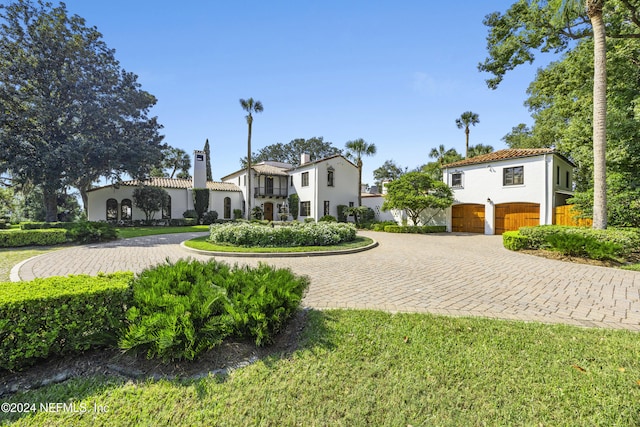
pixel 366 368
pixel 127 232
pixel 202 244
pixel 12 256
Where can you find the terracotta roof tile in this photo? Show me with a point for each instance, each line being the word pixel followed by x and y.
pixel 269 170
pixel 179 183
pixel 509 153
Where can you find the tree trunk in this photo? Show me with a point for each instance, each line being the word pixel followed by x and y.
pixel 599 121
pixel 50 199
pixel 466 152
pixel 249 169
pixel 360 183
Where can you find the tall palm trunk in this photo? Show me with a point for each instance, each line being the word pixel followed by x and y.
pixel 599 115
pixel 466 152
pixel 249 122
pixel 360 183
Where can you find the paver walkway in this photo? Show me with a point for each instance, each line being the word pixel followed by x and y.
pixel 453 274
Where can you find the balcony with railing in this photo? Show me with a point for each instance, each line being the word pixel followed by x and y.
pixel 269 191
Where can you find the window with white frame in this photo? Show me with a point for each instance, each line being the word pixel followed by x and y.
pixel 305 208
pixel 305 179
pixel 456 179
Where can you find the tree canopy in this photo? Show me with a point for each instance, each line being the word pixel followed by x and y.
pixel 71 114
pixel 415 192
pixel 290 153
pixel 388 172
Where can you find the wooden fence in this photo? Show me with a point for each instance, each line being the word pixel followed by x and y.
pixel 568 215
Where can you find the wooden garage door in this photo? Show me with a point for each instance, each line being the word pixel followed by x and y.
pixel 511 216
pixel 467 218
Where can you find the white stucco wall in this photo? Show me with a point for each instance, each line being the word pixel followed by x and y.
pixel 181 200
pixel 483 184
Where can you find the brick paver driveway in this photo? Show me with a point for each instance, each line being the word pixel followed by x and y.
pixel 455 274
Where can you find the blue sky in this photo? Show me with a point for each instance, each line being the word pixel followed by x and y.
pixel 396 73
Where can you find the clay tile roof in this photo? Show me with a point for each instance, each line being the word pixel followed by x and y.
pixel 180 183
pixel 506 154
pixel 269 170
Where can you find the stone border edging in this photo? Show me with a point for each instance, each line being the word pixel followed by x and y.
pixel 279 254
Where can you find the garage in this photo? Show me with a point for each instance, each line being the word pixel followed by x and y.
pixel 467 218
pixel 511 216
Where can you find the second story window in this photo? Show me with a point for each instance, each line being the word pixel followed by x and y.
pixel 305 179
pixel 330 178
pixel 456 179
pixel 513 176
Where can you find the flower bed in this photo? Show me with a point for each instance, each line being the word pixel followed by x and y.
pixel 291 234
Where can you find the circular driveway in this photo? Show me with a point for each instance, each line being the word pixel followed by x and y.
pixel 452 274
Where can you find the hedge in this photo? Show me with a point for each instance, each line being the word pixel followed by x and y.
pixel 291 234
pixel 514 241
pixel 627 238
pixel 424 229
pixel 16 238
pixel 45 225
pixel 60 315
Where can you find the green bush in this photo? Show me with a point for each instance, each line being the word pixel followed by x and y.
pixel 209 217
pixel 191 213
pixel 262 299
pixel 3 224
pixel 237 213
pixel 327 218
pixel 46 237
pixel 514 241
pixel 423 229
pixel 379 226
pixel 627 238
pixel 183 309
pixel 342 215
pixel 581 245
pixel 177 311
pixel 60 315
pixel 292 234
pixel 90 232
pixel 45 225
pixel 309 220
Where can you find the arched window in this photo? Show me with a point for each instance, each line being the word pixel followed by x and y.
pixel 166 209
pixel 126 210
pixel 112 210
pixel 227 207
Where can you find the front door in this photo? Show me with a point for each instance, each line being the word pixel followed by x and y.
pixel 268 211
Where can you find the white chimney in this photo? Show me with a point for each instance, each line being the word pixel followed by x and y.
pixel 199 169
pixel 304 158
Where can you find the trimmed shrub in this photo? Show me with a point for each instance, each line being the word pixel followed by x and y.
pixel 262 299
pixel 60 315
pixel 627 238
pixel 379 226
pixel 412 229
pixel 294 206
pixel 200 200
pixel 46 237
pixel 185 308
pixel 514 241
pixel 45 225
pixel 295 234
pixel 581 245
pixel 309 220
pixel 328 218
pixel 3 224
pixel 191 213
pixel 90 232
pixel 177 311
pixel 237 213
pixel 209 217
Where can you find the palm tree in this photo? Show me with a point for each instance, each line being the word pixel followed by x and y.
pixel 355 150
pixel 176 159
pixel 443 156
pixel 594 11
pixel 250 106
pixel 479 149
pixel 467 119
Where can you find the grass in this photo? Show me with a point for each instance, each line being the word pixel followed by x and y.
pixel 632 267
pixel 361 368
pixel 201 243
pixel 12 256
pixel 127 232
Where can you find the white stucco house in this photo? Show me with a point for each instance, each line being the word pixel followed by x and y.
pixel 507 189
pixel 321 186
